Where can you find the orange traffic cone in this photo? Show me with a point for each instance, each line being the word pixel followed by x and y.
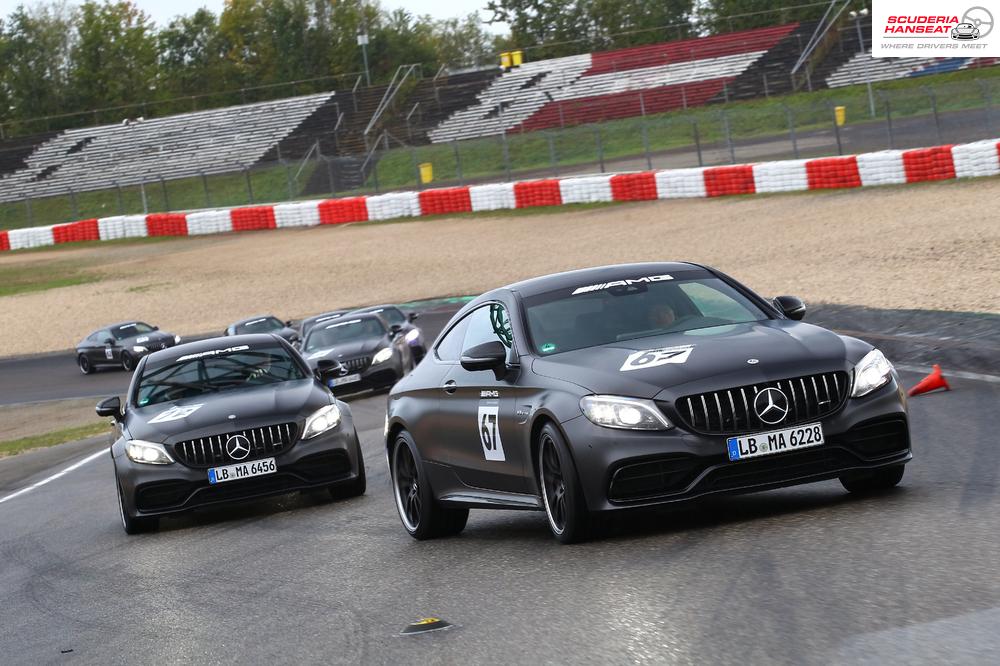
pixel 933 381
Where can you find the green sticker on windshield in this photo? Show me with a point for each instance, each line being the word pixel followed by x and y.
pixel 548 348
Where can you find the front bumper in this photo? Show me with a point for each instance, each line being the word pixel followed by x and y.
pixel 374 378
pixel 156 490
pixel 620 468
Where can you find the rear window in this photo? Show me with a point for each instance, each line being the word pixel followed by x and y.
pixel 214 371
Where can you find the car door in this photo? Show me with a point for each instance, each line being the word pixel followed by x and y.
pixel 100 352
pixel 484 443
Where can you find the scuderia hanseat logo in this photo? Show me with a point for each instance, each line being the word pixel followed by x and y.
pixel 932 28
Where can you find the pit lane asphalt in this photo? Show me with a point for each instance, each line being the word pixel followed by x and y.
pixel 801 575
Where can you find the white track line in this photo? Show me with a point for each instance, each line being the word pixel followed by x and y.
pixel 993 379
pixel 38 484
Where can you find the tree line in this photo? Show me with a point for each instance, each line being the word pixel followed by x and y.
pixel 58 59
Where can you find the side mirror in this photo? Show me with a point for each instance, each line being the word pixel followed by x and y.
pixel 487 356
pixel 792 307
pixel 110 407
pixel 412 317
pixel 109 341
pixel 156 328
pixel 288 323
pixel 395 330
pixel 326 368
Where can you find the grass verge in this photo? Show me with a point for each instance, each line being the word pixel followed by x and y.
pixel 15 446
pixel 24 278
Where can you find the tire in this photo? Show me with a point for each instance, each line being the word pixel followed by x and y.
pixel 128 363
pixel 873 482
pixel 422 516
pixel 134 525
pixel 84 364
pixel 562 497
pixel 356 487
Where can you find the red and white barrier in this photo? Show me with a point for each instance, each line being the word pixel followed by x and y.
pixel 882 168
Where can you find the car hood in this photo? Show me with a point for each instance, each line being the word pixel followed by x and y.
pixel 345 351
pixel 703 360
pixel 209 414
pixel 145 338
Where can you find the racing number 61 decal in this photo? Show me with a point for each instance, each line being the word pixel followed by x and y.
pixel 489 432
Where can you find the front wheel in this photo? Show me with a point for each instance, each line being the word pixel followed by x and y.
pixel 128 363
pixel 568 517
pixel 84 363
pixel 873 482
pixel 134 525
pixel 420 513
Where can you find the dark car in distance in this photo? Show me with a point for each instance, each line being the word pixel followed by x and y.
pixel 225 420
pixel 589 392
pixel 308 323
pixel 121 345
pixel 264 324
pixel 395 316
pixel 370 353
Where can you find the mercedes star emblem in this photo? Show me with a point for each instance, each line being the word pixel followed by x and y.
pixel 753 361
pixel 238 447
pixel 771 405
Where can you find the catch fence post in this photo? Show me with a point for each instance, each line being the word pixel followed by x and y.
pixel 458 161
pixel 888 122
pixel 791 130
pixel 645 145
pixel 166 198
pixel 246 176
pixel 937 118
pixel 506 153
pixel 31 215
pixel 76 209
pixel 289 179
pixel 988 107
pixel 118 192
pixel 552 154
pixel 697 141
pixel 204 185
pixel 729 137
pixel 416 168
pixel 600 148
pixel 329 176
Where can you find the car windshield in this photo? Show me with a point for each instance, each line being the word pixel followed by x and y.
pixel 391 315
pixel 128 330
pixel 312 323
pixel 215 371
pixel 568 319
pixel 332 335
pixel 262 325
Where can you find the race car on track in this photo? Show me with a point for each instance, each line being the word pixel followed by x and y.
pixel 309 322
pixel 592 391
pixel 121 345
pixel 264 324
pixel 411 333
pixel 228 419
pixel 371 353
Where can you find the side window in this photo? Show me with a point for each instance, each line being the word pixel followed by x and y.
pixel 487 324
pixel 102 336
pixel 450 346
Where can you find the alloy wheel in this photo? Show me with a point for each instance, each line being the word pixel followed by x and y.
pixel 406 486
pixel 553 485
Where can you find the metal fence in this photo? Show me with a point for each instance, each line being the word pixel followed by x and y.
pixel 766 129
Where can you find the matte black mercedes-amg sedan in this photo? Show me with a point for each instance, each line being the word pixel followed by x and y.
pixel 121 345
pixel 228 419
pixel 592 391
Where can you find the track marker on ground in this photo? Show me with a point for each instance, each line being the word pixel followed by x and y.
pixel 961 374
pixel 49 479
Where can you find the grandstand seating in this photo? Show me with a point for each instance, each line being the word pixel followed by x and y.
pixel 862 67
pixel 589 87
pixel 216 141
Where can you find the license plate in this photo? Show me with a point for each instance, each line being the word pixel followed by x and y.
pixel 776 441
pixel 242 471
pixel 340 381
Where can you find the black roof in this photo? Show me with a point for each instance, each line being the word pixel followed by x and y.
pixel 598 274
pixel 263 316
pixel 171 354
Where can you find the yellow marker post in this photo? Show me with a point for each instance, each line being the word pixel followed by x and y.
pixel 426 172
pixel 840 113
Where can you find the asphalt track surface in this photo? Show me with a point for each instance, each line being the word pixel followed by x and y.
pixel 800 575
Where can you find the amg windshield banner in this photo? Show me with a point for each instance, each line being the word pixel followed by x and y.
pixel 935 29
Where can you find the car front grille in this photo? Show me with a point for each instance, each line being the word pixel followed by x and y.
pixel 357 364
pixel 731 411
pixel 264 441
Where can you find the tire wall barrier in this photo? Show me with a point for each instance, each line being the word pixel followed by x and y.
pixel 883 168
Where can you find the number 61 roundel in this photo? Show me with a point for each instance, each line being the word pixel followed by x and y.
pixel 489 432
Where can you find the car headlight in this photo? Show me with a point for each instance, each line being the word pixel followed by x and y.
pixel 323 419
pixel 628 413
pixel 412 336
pixel 139 349
pixel 872 372
pixel 382 356
pixel 147 453
pixel 177 339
